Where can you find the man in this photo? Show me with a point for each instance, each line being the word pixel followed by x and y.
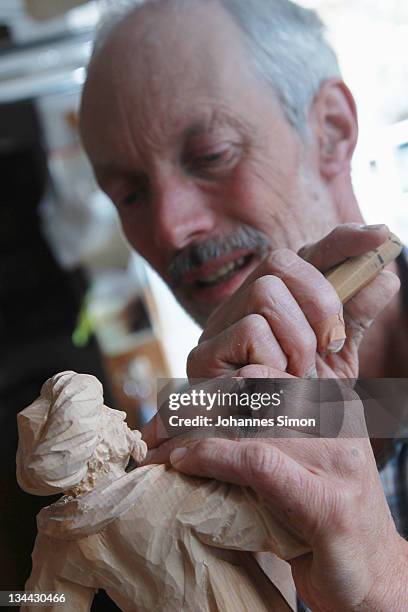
pixel 223 133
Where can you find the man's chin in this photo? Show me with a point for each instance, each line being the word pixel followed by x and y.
pixel 198 311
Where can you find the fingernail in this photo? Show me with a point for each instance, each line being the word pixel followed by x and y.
pixel 379 226
pixel 178 455
pixel 336 345
pixel 331 334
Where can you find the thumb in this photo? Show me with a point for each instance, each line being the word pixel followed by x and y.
pixel 211 458
pixel 362 310
pixel 276 477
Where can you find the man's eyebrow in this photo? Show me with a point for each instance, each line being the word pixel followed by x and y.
pixel 105 170
pixel 105 173
pixel 218 118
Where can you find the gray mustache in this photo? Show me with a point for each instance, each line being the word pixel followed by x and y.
pixel 196 255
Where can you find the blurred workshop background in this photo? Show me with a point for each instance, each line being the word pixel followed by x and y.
pixel 72 295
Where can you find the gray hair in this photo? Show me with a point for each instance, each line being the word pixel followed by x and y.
pixel 286 43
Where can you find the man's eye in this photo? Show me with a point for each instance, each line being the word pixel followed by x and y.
pixel 212 157
pixel 216 161
pixel 134 197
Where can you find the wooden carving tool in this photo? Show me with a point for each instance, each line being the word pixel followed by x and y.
pixel 353 274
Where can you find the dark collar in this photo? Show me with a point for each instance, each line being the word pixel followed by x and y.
pixel 402 263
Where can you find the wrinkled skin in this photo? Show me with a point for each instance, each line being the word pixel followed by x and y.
pixel 327 489
pixel 203 155
pixel 192 147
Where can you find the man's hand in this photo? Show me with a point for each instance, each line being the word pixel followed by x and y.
pixel 328 493
pixel 285 320
pixel 287 316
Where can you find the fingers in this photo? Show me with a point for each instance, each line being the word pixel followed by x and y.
pixel 164 450
pixel 365 307
pixel 248 341
pixel 348 240
pixel 154 432
pixel 162 427
pixel 278 478
pixel 245 462
pixel 315 296
pixel 300 305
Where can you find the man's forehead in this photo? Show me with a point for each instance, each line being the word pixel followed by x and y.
pixel 161 45
pixel 172 24
pixel 198 62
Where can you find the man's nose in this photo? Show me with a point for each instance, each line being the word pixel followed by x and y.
pixel 182 214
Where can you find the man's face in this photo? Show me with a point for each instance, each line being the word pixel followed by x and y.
pixel 196 154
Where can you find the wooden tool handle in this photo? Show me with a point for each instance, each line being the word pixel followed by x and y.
pixel 356 272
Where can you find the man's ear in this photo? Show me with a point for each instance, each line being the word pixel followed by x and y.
pixel 334 119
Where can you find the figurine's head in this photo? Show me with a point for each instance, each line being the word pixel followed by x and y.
pixel 69 440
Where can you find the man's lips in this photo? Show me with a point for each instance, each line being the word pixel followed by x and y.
pixel 216 270
pixel 218 279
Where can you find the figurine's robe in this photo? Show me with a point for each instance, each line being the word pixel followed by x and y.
pixel 156 540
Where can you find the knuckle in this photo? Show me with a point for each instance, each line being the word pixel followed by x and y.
pixel 252 324
pixel 259 286
pixel 254 371
pixel 328 300
pixel 194 360
pixel 259 462
pixel 202 449
pixel 263 291
pixel 282 258
pixel 202 453
pixel 305 251
pixel 302 352
pixel 335 515
pixel 339 235
pixel 345 227
pixel 204 334
pixel 307 346
pixel 350 462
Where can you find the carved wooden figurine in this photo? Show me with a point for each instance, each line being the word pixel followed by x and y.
pixel 152 538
